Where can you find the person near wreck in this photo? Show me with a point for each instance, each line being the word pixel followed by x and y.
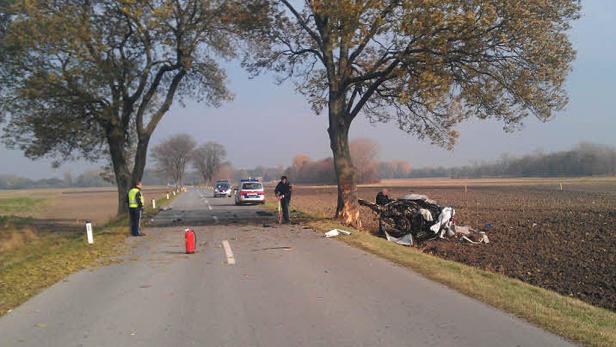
pixel 382 199
pixel 283 193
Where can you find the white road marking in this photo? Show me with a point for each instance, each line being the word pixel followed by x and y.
pixel 209 207
pixel 228 252
pixel 215 219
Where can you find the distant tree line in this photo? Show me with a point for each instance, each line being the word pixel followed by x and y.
pixel 364 153
pixel 585 159
pixel 90 178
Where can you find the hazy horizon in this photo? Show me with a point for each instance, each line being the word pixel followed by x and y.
pixel 267 124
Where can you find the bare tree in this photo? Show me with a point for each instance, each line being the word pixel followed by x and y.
pixel 225 171
pixel 172 156
pixel 426 65
pixel 208 159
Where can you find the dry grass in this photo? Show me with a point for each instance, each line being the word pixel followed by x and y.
pixel 566 316
pixel 12 238
pixel 28 267
pixel 32 258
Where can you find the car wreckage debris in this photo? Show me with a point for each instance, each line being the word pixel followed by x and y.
pixel 415 218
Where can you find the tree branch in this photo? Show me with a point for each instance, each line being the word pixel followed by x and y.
pixel 156 117
pixel 303 23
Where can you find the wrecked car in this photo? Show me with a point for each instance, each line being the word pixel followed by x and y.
pixel 414 218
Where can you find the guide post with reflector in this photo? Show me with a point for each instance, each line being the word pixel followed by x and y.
pixel 89 233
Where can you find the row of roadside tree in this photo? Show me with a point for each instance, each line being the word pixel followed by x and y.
pixel 93 79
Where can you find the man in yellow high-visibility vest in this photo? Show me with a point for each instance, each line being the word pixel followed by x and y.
pixel 135 208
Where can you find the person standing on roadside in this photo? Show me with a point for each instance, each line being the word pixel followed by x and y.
pixel 283 193
pixel 135 209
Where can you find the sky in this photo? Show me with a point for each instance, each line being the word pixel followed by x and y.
pixel 268 124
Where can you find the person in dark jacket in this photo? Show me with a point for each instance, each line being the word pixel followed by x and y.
pixel 382 199
pixel 283 193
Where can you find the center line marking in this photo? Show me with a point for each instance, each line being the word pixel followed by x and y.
pixel 215 219
pixel 228 252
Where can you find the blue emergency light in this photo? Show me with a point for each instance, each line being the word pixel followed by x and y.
pixel 250 179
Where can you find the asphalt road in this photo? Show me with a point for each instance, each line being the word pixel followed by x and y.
pixel 250 285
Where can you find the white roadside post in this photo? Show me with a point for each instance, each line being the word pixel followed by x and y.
pixel 153 204
pixel 89 233
pixel 174 193
pixel 167 196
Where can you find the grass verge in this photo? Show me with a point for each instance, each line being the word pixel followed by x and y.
pixel 50 257
pixel 41 259
pixel 565 316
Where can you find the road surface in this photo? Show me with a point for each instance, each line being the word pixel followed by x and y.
pixel 254 285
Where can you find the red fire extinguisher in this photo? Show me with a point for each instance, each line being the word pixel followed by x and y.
pixel 191 240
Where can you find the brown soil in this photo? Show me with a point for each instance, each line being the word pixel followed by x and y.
pixel 560 240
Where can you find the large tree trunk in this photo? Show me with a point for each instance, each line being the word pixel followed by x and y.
pixel 117 150
pixel 348 208
pixel 140 159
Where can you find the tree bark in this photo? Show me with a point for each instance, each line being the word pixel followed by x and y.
pixel 140 159
pixel 347 209
pixel 116 142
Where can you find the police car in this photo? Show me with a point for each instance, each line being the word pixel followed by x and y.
pixel 250 191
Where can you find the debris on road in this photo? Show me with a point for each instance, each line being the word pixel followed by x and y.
pixel 337 232
pixel 284 248
pixel 406 240
pixel 415 218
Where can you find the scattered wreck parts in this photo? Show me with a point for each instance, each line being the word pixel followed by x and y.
pixel 415 218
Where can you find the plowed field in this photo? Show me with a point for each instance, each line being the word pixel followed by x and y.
pixel 560 240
